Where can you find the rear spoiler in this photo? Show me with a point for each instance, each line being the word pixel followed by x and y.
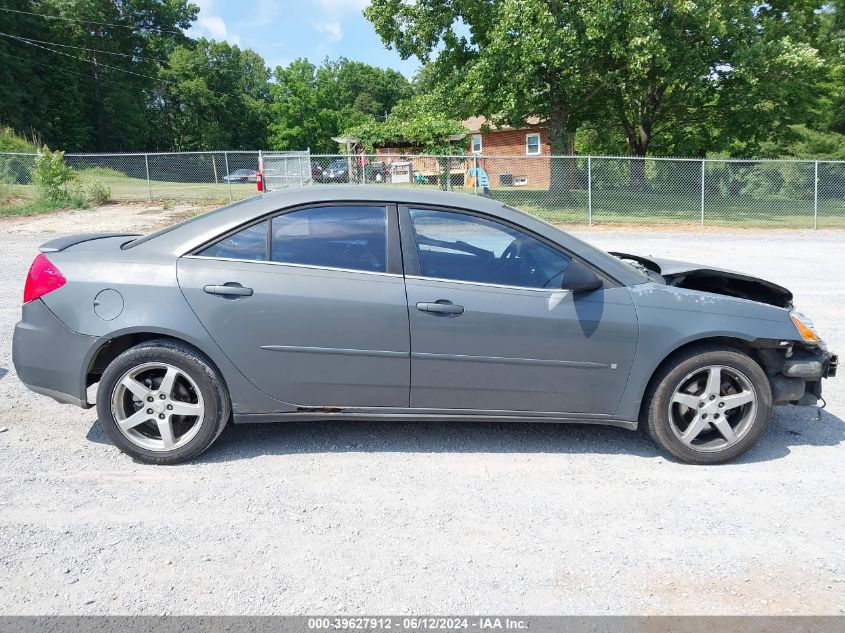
pixel 61 243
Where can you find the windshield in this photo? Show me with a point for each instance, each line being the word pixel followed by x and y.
pixel 599 252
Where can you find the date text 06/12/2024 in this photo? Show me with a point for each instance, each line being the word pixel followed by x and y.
pixel 417 624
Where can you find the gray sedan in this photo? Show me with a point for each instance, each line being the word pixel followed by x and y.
pixel 371 303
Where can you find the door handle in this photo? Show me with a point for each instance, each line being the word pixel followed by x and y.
pixel 229 290
pixel 440 307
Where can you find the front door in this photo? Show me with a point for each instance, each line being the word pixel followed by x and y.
pixel 492 330
pixel 309 305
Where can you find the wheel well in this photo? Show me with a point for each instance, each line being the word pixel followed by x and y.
pixel 116 346
pixel 715 341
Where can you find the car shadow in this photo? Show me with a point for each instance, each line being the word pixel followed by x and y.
pixel 791 427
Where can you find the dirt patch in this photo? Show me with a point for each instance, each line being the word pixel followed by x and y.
pixel 129 218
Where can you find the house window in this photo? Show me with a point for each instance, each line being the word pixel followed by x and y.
pixel 532 144
pixel 476 143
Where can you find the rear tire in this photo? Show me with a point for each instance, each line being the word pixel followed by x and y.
pixel 162 402
pixel 708 405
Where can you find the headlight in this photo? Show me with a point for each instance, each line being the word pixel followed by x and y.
pixel 805 327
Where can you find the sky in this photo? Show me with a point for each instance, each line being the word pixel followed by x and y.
pixel 283 30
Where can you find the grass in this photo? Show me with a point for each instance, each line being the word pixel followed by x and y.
pixel 16 207
pixel 670 208
pixel 627 207
pixel 137 189
pixel 608 206
pixel 22 199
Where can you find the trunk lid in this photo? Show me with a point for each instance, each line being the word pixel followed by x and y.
pixel 86 241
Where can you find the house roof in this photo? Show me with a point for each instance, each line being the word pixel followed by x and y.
pixel 393 143
pixel 475 123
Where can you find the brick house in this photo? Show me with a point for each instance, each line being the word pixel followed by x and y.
pixel 490 142
pixel 512 157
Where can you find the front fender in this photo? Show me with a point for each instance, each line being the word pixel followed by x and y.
pixel 670 318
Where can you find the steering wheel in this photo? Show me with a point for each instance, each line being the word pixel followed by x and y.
pixel 526 264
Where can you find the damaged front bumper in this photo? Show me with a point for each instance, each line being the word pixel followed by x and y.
pixel 796 374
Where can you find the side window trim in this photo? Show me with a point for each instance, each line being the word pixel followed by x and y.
pixel 394 248
pixel 410 256
pixel 264 262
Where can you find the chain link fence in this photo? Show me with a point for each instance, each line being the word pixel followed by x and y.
pixel 565 189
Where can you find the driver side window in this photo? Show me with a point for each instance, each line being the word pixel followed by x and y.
pixel 463 247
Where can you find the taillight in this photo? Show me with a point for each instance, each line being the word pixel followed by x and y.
pixel 43 277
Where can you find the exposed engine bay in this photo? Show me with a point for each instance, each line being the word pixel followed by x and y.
pixel 795 369
pixel 704 279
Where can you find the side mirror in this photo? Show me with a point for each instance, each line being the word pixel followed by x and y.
pixel 579 278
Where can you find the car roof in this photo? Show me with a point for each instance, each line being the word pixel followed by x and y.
pixel 194 232
pixel 380 193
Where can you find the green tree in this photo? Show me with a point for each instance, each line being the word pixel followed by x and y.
pixel 688 78
pixel 419 122
pixel 38 97
pixel 683 77
pixel 116 62
pixel 831 42
pixel 511 60
pixel 216 97
pixel 298 119
pixel 772 86
pixel 84 80
pixel 312 104
pixel 660 61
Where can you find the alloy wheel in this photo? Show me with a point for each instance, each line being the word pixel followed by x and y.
pixel 157 406
pixel 713 408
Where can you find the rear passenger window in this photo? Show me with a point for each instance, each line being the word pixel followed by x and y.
pixel 251 243
pixel 353 237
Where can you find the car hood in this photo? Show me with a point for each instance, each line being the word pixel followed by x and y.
pixel 711 279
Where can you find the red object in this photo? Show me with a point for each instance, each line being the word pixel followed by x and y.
pixel 43 277
pixel 259 181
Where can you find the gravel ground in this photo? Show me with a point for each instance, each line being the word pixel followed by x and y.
pixel 420 518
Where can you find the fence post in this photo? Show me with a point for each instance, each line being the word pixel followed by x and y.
pixel 816 196
pixel 149 185
pixel 475 174
pixel 589 190
pixel 702 191
pixel 228 173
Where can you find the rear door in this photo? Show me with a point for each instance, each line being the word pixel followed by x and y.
pixel 310 304
pixel 491 329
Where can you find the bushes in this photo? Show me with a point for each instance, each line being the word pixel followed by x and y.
pixel 6 190
pixel 99 193
pixel 12 142
pixel 53 179
pixel 51 176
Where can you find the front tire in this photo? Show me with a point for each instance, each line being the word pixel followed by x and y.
pixel 162 402
pixel 708 405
